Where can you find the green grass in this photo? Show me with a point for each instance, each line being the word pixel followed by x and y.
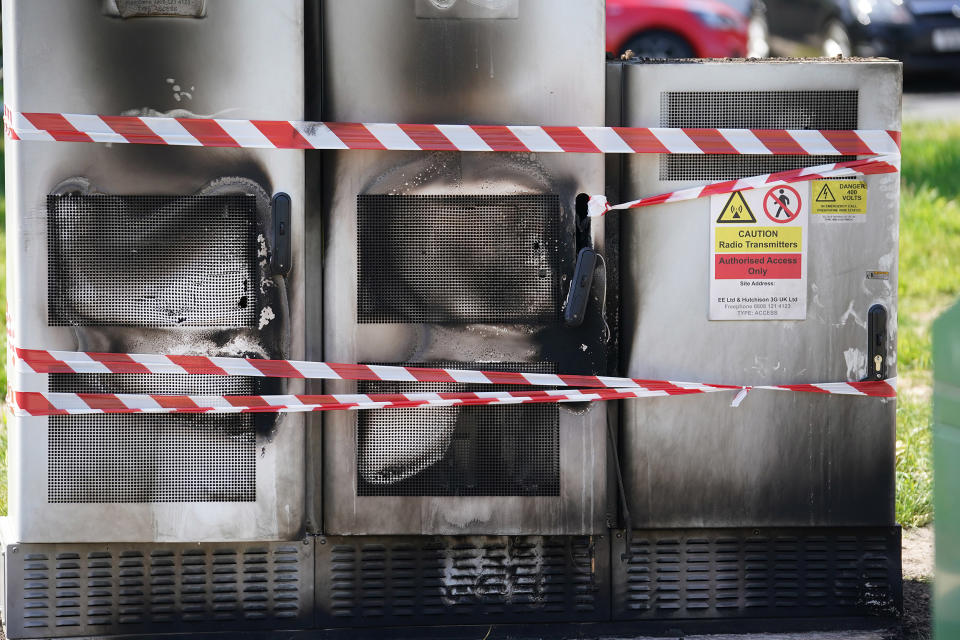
pixel 929 283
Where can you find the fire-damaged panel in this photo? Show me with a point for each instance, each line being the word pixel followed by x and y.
pixel 426 580
pixel 458 259
pixel 797 109
pixel 71 590
pixel 760 573
pixel 152 458
pixel 450 451
pixel 152 261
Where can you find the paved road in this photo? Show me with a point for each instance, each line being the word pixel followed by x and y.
pixel 931 98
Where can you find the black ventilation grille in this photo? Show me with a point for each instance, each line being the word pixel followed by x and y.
pixel 758 574
pixel 457 259
pixel 511 450
pixel 152 261
pixel 151 457
pixel 822 110
pixel 398 581
pixel 115 589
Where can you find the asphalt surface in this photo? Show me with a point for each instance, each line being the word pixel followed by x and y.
pixel 935 97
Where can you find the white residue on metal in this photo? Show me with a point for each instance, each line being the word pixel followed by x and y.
pixel 238 346
pixel 266 315
pixel 485 572
pixel 149 112
pixel 261 246
pixel 388 456
pixel 852 313
pixel 888 261
pixel 179 93
pixel 856 363
pixel 816 295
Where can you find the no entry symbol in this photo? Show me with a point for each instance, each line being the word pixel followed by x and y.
pixel 782 204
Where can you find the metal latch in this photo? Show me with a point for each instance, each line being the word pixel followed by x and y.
pixel 877 347
pixel 280 256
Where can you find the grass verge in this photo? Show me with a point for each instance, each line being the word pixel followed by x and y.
pixel 929 283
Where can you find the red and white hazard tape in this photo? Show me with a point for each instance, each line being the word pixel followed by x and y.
pixel 596 388
pixel 289 134
pixel 49 404
pixel 45 361
pixel 875 165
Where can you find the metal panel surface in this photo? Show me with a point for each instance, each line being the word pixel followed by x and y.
pixel 476 71
pixel 459 451
pixel 243 59
pixel 779 459
pixel 70 590
pixel 702 574
pixel 395 581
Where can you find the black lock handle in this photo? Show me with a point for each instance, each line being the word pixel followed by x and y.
pixel 877 347
pixel 281 256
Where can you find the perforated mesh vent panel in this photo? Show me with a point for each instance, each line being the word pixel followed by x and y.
pixel 457 259
pixel 751 110
pixel 152 261
pixel 152 458
pixel 470 451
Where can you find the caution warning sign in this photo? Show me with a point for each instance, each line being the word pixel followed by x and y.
pixel 758 265
pixel 826 193
pixel 839 200
pixel 736 211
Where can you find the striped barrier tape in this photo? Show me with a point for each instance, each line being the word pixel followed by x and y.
pixel 598 205
pixel 883 146
pixel 49 404
pixel 45 361
pixel 290 134
pixel 595 388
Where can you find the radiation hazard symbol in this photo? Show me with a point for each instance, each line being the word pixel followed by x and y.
pixel 839 200
pixel 736 211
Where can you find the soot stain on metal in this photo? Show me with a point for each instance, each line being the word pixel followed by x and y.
pixel 449 173
pixel 490 568
pixel 268 300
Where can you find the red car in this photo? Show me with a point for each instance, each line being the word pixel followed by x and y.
pixel 676 29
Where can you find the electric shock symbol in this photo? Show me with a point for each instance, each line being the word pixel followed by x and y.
pixel 782 204
pixel 826 195
pixel 736 211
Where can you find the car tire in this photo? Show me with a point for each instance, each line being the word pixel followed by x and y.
pixel 836 40
pixel 659 44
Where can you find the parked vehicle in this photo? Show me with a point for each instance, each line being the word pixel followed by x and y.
pixel 924 34
pixel 756 13
pixel 676 28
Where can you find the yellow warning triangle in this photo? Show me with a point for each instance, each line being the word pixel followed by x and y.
pixel 736 211
pixel 826 195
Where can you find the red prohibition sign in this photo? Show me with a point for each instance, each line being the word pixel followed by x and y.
pixel 782 204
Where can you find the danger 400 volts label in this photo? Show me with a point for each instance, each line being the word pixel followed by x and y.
pixel 839 200
pixel 758 255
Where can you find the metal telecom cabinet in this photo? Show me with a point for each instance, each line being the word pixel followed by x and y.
pixel 139 249
pixel 464 259
pixel 578 520
pixel 134 524
pixel 806 474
